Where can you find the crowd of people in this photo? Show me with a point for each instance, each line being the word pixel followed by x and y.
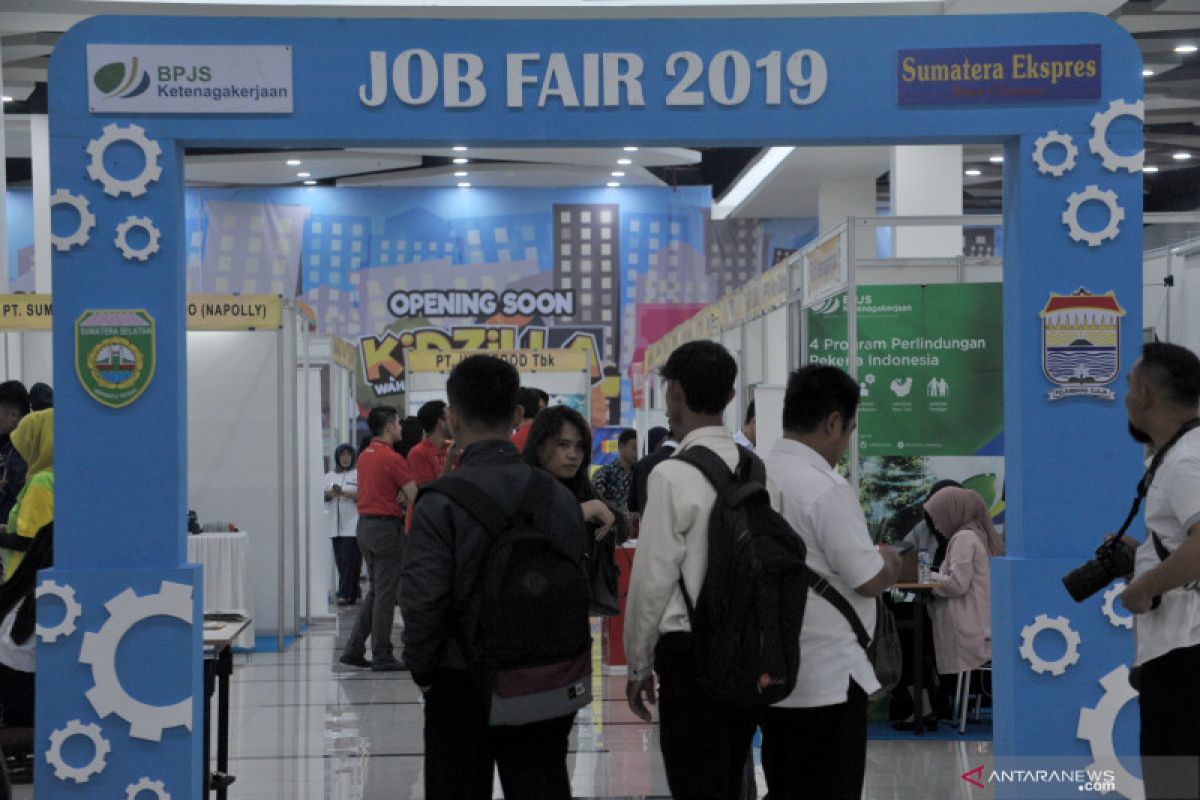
pixel 488 537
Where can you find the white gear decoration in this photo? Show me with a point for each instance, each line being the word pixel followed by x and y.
pixel 99 650
pixel 1110 607
pixel 1096 727
pixel 1045 623
pixel 135 186
pixel 87 220
pixel 70 616
pixel 64 771
pixel 147 785
pixel 137 253
pixel 1064 166
pixel 1070 217
pixel 1098 144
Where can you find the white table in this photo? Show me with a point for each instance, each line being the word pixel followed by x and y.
pixel 226 560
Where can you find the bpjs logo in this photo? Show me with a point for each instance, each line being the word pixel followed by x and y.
pixel 122 79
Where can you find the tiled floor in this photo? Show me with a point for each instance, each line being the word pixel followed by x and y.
pixel 304 727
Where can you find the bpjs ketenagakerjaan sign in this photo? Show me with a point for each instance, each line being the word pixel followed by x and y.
pixel 189 79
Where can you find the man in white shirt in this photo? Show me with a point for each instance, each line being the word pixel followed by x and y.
pixel 704 745
pixel 1163 404
pixel 815 741
pixel 747 437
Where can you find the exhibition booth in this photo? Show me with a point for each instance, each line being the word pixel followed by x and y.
pixel 1071 230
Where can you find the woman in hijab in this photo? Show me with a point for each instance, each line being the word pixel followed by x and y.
pixel 34 440
pixel 341 518
pixel 961 609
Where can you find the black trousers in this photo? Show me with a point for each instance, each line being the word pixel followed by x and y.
pixel 460 748
pixel 1170 710
pixel 816 752
pixel 16 698
pixel 704 746
pixel 348 558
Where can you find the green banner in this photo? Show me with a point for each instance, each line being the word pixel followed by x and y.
pixel 930 363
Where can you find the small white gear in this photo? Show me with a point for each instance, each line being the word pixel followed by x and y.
pixel 99 650
pixel 71 613
pixel 137 253
pixel 1096 727
pixel 135 186
pixel 147 785
pixel 1098 144
pixel 1064 166
pixel 1110 607
pixel 87 220
pixel 64 771
pixel 1070 217
pixel 1045 623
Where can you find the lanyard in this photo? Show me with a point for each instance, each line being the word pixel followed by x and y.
pixel 1148 478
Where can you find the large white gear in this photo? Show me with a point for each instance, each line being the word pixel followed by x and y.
pixel 1096 727
pixel 64 771
pixel 99 650
pixel 135 186
pixel 1064 166
pixel 1116 214
pixel 1045 623
pixel 87 220
pixel 146 785
pixel 137 253
pixel 70 616
pixel 1110 607
pixel 1098 144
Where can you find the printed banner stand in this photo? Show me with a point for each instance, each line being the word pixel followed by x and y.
pixel 117 140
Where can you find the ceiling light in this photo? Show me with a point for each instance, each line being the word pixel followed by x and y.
pixel 310 183
pixel 462 161
pixel 749 181
pixel 618 174
pixel 460 148
pixel 1181 156
pixel 464 185
pixel 1149 169
pixel 461 174
pixel 294 162
pixel 624 162
pixel 7 99
pixel 303 174
pixel 972 173
pixel 1147 73
pixel 613 184
pixel 631 149
pixel 1186 49
pixel 996 159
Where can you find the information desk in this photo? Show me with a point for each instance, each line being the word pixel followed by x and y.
pixel 924 593
pixel 226 558
pixel 219 636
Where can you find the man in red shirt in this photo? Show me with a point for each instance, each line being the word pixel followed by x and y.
pixel 428 460
pixel 384 484
pixel 530 402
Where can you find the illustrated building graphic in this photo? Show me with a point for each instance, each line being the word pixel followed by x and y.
pixel 587 258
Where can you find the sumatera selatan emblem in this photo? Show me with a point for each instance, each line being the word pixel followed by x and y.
pixel 114 354
pixel 1081 344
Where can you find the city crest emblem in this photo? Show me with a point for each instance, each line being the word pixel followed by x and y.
pixel 114 354
pixel 1081 344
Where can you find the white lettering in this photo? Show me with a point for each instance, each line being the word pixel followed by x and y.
pixel 517 79
pixel 401 73
pixel 378 81
pixel 558 83
pixel 623 69
pixel 463 69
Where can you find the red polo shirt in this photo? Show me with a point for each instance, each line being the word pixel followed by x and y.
pixel 382 473
pixel 522 435
pixel 425 462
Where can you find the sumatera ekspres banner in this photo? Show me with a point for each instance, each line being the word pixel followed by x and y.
pixel 930 364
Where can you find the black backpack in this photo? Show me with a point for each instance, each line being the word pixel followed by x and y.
pixel 531 648
pixel 746 621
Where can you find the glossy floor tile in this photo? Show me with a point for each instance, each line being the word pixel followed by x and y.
pixel 304 727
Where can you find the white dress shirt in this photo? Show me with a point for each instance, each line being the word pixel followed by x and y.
pixel 741 438
pixel 823 509
pixel 673 541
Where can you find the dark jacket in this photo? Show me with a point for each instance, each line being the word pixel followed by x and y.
pixel 447 547
pixel 12 469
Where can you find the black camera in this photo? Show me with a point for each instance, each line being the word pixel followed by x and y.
pixel 1114 559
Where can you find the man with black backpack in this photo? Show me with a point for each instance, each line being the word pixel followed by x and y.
pixel 717 591
pixel 815 740
pixel 495 603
